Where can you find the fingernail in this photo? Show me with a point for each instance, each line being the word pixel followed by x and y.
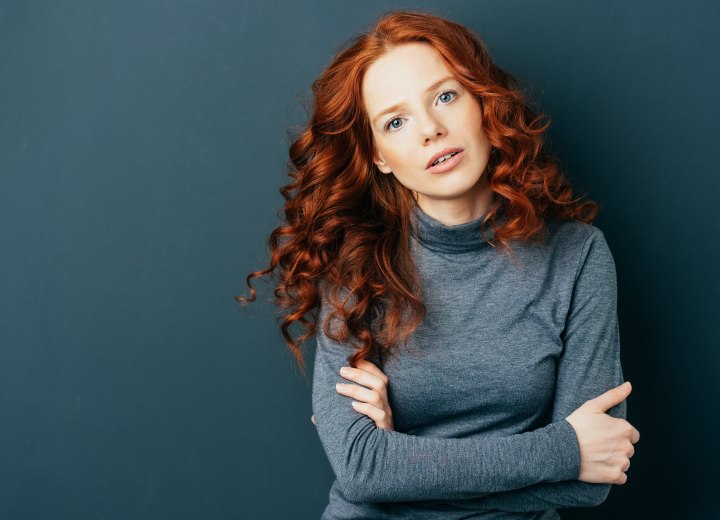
pixel 626 384
pixel 338 387
pixel 344 370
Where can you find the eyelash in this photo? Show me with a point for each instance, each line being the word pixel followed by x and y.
pixel 387 125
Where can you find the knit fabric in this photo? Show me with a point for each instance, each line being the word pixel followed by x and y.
pixel 508 349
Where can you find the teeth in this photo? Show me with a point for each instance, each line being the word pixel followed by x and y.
pixel 444 158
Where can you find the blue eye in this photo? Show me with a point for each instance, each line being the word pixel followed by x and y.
pixel 447 92
pixel 390 123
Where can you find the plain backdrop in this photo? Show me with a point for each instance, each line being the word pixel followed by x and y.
pixel 142 147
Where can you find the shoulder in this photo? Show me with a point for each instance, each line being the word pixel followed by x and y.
pixel 567 246
pixel 584 248
pixel 572 233
pixel 575 236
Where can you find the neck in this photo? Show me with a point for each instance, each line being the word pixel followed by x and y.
pixel 469 207
pixel 458 238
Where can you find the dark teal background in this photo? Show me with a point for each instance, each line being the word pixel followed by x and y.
pixel 142 146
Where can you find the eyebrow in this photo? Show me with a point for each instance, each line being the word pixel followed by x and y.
pixel 399 105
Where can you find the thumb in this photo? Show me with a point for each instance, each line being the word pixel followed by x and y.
pixel 612 397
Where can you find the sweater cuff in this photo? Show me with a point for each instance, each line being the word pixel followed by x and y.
pixel 567 449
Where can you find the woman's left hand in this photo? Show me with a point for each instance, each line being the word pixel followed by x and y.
pixel 370 394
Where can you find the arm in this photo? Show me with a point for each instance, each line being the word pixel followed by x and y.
pixel 589 366
pixel 377 465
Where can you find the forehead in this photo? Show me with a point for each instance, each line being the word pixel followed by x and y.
pixel 402 73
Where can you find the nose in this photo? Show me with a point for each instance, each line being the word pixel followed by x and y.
pixel 431 128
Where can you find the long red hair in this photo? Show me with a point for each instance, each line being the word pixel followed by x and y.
pixel 347 225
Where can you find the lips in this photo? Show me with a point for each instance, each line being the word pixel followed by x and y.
pixel 440 154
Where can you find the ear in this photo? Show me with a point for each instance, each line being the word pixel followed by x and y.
pixel 381 164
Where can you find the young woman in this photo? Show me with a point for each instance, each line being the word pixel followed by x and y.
pixel 466 304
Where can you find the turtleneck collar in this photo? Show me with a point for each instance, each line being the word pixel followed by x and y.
pixel 458 238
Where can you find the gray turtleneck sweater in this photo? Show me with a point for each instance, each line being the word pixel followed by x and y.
pixel 507 350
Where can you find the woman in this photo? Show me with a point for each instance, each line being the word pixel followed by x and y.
pixel 466 303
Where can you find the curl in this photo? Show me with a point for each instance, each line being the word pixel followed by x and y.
pixel 346 227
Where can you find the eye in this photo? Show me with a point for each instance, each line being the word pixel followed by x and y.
pixel 390 125
pixel 448 92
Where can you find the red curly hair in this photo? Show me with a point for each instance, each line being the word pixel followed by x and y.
pixel 347 226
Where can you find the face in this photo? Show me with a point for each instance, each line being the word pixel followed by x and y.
pixel 416 109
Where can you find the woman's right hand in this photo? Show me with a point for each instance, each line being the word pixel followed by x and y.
pixel 606 442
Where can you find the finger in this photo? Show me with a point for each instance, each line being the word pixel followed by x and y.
pixel 360 393
pixel 612 397
pixel 364 378
pixel 313 419
pixel 371 367
pixel 376 414
pixel 635 436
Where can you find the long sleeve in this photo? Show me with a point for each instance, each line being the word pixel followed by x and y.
pixel 377 465
pixel 589 366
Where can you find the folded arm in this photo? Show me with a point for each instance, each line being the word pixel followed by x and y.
pixel 377 465
pixel 589 366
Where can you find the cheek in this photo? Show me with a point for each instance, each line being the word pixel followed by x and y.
pixel 480 135
pixel 392 154
pixel 473 120
pixel 484 140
